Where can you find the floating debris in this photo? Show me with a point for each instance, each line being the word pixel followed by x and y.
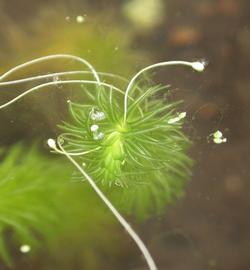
pixel 218 137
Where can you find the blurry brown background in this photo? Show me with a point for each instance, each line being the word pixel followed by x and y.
pixel 210 227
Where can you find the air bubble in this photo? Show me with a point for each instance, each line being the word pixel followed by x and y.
pixel 97 115
pixel 94 128
pixel 98 136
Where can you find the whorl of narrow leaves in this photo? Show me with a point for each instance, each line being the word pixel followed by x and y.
pixel 144 161
pixel 29 210
pixel 141 151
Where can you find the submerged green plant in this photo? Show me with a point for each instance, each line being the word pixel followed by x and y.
pixel 128 140
pixel 29 211
pixel 145 157
pixel 34 187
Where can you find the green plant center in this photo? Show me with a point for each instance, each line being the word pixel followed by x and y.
pixel 113 155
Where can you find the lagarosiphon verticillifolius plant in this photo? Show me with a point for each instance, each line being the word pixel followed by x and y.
pixel 29 189
pixel 144 161
pixel 41 210
pixel 127 140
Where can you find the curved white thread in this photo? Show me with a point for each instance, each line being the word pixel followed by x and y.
pixel 123 222
pixel 62 82
pixel 63 73
pixel 56 83
pixel 46 76
pixel 198 66
pixel 49 57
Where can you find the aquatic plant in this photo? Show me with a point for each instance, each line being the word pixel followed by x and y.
pixel 122 139
pixel 29 209
pixel 33 188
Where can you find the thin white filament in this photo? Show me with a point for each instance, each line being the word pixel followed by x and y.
pixel 123 222
pixel 49 57
pixel 38 87
pixel 64 73
pixel 57 83
pixel 198 66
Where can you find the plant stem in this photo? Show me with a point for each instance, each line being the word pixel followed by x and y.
pixel 49 57
pixel 63 73
pixel 124 223
pixel 57 83
pixel 198 66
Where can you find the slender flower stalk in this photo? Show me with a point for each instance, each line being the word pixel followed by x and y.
pixel 198 66
pixel 123 222
pixel 70 82
pixel 51 57
pixel 58 74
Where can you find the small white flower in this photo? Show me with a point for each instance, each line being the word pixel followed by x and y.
pixel 177 118
pixel 173 120
pixel 51 143
pixel 198 66
pixel 182 115
pixel 25 248
pixel 218 134
pixel 80 19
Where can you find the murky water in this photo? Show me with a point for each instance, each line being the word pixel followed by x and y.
pixel 49 217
